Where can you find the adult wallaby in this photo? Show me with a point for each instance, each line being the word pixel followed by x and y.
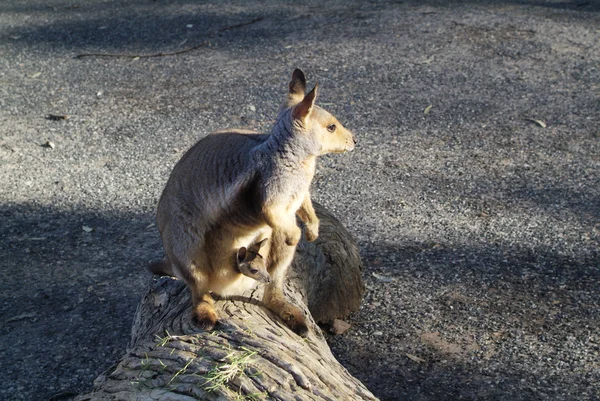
pixel 233 188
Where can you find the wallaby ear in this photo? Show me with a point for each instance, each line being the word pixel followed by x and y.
pixel 241 254
pixel 303 109
pixel 261 243
pixel 297 88
pixel 298 83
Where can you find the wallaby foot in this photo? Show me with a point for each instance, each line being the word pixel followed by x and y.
pixel 292 316
pixel 204 314
pixel 294 319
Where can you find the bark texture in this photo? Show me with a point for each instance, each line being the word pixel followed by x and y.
pixel 251 355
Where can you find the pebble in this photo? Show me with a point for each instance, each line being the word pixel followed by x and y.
pixel 339 326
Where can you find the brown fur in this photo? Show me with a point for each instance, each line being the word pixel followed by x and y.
pixel 232 188
pixel 252 264
pixel 249 262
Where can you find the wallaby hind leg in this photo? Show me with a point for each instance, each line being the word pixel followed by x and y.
pixel 280 258
pixel 204 314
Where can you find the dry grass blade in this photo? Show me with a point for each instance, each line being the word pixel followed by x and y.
pixel 538 122
pixel 220 375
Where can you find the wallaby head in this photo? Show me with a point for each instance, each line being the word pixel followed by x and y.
pixel 252 264
pixel 322 132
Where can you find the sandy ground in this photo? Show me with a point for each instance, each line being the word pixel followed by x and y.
pixel 474 193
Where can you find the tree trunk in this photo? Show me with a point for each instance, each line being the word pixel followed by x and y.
pixel 251 355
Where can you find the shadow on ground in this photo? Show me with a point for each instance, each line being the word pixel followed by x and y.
pixel 85 272
pixel 71 281
pixel 147 27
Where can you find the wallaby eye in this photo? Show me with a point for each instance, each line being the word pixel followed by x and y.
pixel 253 271
pixel 331 128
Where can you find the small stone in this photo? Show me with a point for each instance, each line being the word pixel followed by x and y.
pixel 382 278
pixel 378 333
pixel 339 327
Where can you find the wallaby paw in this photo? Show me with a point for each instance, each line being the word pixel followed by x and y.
pixel 293 237
pixel 312 231
pixel 205 317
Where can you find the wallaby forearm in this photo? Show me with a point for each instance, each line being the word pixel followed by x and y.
pixel 309 218
pixel 283 222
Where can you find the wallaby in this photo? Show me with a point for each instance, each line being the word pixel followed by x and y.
pixel 248 261
pixel 232 188
pixel 252 264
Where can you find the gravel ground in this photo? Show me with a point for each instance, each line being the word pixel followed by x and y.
pixel 474 192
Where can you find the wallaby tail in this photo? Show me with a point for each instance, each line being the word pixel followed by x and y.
pixel 161 267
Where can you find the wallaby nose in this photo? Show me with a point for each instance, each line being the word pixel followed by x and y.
pixel 352 144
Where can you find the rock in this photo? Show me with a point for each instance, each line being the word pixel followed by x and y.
pixel 339 327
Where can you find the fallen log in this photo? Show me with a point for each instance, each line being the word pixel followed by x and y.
pixel 251 354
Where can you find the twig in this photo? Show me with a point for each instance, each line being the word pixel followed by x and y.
pixel 228 28
pixel 173 53
pixel 125 55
